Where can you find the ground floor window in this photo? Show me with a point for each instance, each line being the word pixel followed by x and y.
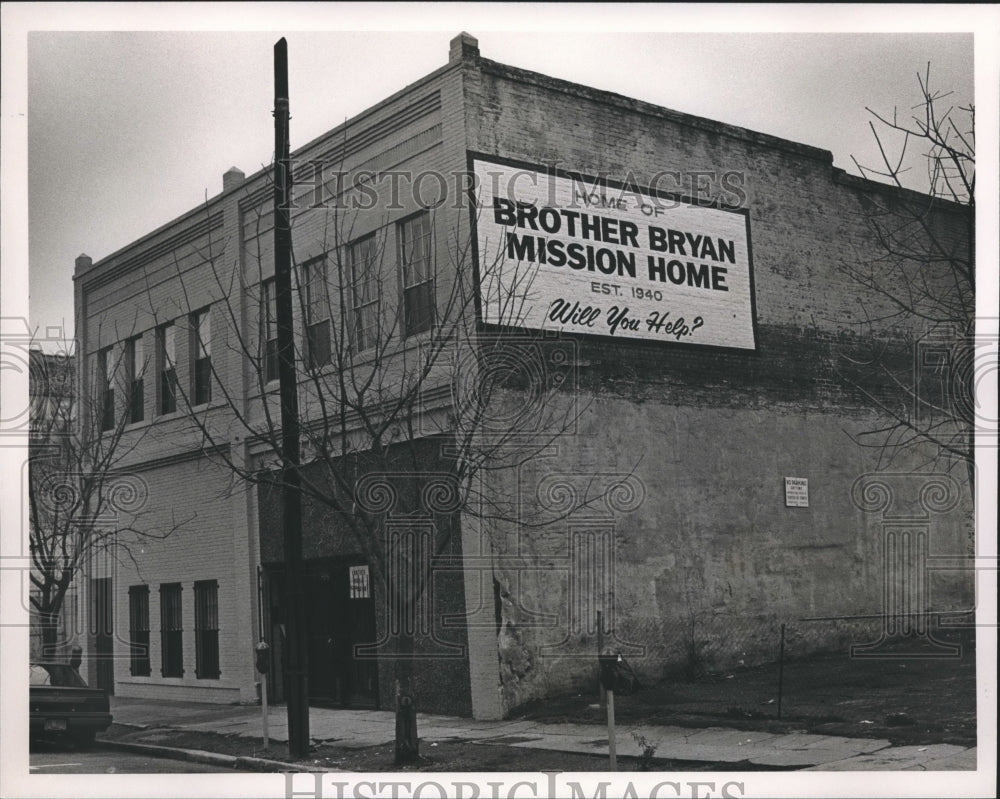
pixel 206 629
pixel 138 629
pixel 171 631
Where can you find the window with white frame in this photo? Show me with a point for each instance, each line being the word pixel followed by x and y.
pixel 166 337
pixel 413 236
pixel 362 257
pixel 316 302
pixel 136 365
pixel 201 374
pixel 269 329
pixel 106 388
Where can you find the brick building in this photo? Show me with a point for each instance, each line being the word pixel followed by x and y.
pixel 52 394
pixel 657 382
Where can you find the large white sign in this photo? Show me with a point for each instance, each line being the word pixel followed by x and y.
pixel 566 252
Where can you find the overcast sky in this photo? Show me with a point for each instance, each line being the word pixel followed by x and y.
pixel 127 130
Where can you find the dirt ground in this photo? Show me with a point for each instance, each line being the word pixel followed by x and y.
pixel 904 698
pixel 907 700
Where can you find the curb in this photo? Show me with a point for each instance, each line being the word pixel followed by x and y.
pixel 211 758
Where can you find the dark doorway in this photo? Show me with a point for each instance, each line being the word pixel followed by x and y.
pixel 340 616
pixel 102 628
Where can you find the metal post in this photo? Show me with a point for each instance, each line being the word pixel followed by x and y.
pixel 781 668
pixel 263 704
pixel 297 699
pixel 603 701
pixel 260 604
pixel 612 744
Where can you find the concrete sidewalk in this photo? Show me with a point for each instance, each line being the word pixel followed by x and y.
pixel 364 728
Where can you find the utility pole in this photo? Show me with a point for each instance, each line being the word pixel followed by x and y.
pixel 297 663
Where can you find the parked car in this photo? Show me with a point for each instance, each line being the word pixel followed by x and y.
pixel 62 704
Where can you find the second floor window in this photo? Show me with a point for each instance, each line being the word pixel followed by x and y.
pixel 201 374
pixel 316 302
pixel 136 366
pixel 362 257
pixel 269 329
pixel 167 367
pixel 414 238
pixel 105 388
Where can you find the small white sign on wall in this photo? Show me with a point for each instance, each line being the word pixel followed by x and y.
pixel 360 585
pixel 796 492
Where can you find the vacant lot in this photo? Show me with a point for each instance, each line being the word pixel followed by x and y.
pixel 907 698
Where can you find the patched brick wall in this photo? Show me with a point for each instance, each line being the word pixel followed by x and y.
pixel 703 563
pixel 806 217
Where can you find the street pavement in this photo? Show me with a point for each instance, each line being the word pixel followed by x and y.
pixel 364 728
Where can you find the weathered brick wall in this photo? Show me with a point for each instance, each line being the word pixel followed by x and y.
pixel 806 218
pixel 707 561
pixel 703 562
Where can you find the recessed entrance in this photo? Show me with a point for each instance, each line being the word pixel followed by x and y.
pixel 339 617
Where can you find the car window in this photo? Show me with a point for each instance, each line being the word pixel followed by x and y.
pixel 60 674
pixel 39 676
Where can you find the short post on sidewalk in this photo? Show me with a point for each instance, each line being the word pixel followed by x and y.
pixel 407 742
pixel 262 661
pixel 608 663
pixel 603 697
pixel 612 743
pixel 781 669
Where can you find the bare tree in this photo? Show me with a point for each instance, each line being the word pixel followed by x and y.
pixel 81 501
pixel 923 276
pixel 406 403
